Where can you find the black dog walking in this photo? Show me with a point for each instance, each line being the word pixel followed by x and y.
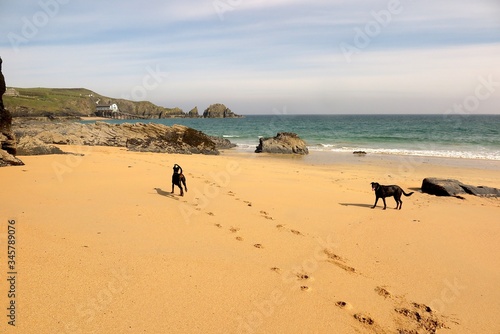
pixel 387 191
pixel 178 179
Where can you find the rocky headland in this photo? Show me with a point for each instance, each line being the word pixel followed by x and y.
pixel 56 103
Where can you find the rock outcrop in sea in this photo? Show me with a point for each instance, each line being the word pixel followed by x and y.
pixel 151 137
pixel 193 113
pixel 219 110
pixel 451 187
pixel 283 142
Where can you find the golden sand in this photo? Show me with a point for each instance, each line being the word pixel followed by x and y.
pixel 258 244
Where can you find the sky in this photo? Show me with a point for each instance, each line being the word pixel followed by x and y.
pixel 263 57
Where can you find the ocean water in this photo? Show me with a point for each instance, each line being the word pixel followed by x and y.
pixel 455 136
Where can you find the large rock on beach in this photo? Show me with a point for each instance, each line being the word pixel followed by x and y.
pixel 7 159
pixel 452 187
pixel 175 139
pixel 219 110
pixel 7 136
pixel 8 144
pixel 283 142
pixel 151 137
pixel 34 146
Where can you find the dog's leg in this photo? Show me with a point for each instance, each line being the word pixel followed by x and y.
pixel 184 183
pixel 172 188
pixel 374 205
pixel 397 201
pixel 383 199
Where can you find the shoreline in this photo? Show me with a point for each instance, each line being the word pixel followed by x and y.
pixel 341 133
pixel 411 155
pixel 402 161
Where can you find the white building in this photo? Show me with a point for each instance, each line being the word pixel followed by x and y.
pixel 107 108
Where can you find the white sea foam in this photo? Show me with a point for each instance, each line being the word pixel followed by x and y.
pixel 439 153
pixel 464 154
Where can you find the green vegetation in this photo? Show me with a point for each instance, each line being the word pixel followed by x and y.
pixel 58 102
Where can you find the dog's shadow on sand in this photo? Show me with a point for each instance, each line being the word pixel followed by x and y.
pixel 361 205
pixel 166 194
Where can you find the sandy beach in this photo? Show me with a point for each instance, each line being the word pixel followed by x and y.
pixel 93 118
pixel 258 244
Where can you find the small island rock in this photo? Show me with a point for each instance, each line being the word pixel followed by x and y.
pixel 219 110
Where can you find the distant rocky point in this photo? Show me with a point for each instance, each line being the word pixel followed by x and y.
pixel 219 110
pixel 193 113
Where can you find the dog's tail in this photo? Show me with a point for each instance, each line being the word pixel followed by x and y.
pixel 407 194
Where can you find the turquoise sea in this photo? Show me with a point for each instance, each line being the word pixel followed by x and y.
pixel 455 136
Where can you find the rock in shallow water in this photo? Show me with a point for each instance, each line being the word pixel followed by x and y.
pixel 283 142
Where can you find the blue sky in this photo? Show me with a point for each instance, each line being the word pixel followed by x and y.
pixel 263 57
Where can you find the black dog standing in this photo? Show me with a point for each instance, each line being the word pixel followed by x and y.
pixel 178 179
pixel 388 191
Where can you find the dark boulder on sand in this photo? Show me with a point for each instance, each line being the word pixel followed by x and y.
pixel 451 187
pixel 34 146
pixel 283 142
pixel 7 137
pixel 8 144
pixel 7 159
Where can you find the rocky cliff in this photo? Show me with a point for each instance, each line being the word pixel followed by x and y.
pixel 8 145
pixel 64 102
pixel 79 102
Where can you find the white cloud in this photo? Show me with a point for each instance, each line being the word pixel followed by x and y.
pixel 263 53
